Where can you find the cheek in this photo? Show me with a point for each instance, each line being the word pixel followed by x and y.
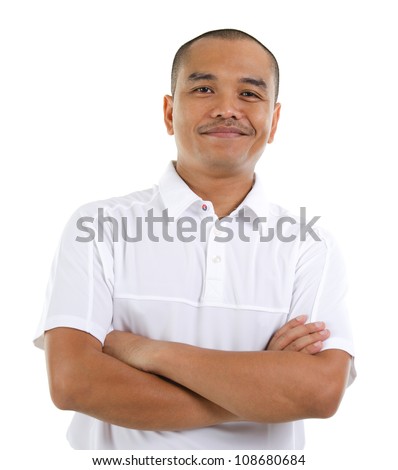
pixel 263 130
pixel 263 126
pixel 185 122
pixel 182 134
pixel 181 120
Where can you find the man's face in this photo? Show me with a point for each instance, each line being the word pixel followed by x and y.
pixel 223 111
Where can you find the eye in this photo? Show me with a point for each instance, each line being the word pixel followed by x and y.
pixel 249 94
pixel 203 90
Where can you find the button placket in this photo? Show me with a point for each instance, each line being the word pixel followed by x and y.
pixel 215 267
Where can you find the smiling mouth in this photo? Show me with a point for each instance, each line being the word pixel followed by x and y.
pixel 225 132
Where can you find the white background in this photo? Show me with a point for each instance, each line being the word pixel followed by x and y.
pixel 81 94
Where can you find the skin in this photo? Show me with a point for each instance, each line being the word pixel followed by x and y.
pixel 213 94
pixel 222 116
pixel 296 386
pixel 101 382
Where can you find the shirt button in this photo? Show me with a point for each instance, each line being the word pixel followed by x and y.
pixel 204 207
pixel 217 259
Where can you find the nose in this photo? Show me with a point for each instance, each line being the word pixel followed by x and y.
pixel 226 106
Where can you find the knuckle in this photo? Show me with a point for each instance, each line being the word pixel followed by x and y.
pixel 294 347
pixel 314 327
pixel 277 334
pixel 316 347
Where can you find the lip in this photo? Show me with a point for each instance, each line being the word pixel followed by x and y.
pixel 225 132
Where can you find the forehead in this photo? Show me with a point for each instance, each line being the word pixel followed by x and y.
pixel 240 57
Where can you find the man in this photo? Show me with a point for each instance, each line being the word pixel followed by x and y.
pixel 179 322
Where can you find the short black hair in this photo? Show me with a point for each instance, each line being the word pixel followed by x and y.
pixel 233 34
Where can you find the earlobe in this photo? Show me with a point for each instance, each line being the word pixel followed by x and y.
pixel 168 114
pixel 275 119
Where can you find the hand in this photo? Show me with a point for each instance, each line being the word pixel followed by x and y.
pixel 129 348
pixel 300 337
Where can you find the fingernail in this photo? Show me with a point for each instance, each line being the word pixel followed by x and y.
pixel 324 332
pixel 319 324
pixel 301 317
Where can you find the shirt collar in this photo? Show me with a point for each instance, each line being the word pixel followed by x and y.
pixel 255 203
pixel 177 195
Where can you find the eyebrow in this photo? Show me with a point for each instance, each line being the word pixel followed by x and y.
pixel 257 82
pixel 201 76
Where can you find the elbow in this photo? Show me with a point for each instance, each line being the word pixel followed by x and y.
pixel 61 395
pixel 326 409
pixel 331 384
pixel 69 360
pixel 328 400
pixel 63 390
pixel 62 401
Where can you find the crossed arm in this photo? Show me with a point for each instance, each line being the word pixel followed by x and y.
pixel 141 383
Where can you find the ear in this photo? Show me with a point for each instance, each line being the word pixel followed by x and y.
pixel 168 113
pixel 275 119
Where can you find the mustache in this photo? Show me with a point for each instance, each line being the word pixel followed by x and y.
pixel 247 130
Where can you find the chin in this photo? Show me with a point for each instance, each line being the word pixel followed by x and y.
pixel 228 162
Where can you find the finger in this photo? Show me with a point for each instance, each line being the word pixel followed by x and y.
pixel 309 344
pixel 300 320
pixel 291 335
pixel 313 348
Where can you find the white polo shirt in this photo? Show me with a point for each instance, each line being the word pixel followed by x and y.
pixel 223 285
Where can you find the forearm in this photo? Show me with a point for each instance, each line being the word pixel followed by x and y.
pixel 109 390
pixel 135 399
pixel 257 386
pixel 266 386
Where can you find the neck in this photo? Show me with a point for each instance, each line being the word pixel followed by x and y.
pixel 225 192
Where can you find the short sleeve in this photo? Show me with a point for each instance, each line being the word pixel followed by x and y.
pixel 80 289
pixel 320 291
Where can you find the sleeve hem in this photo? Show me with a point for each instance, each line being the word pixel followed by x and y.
pixel 347 346
pixel 69 322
